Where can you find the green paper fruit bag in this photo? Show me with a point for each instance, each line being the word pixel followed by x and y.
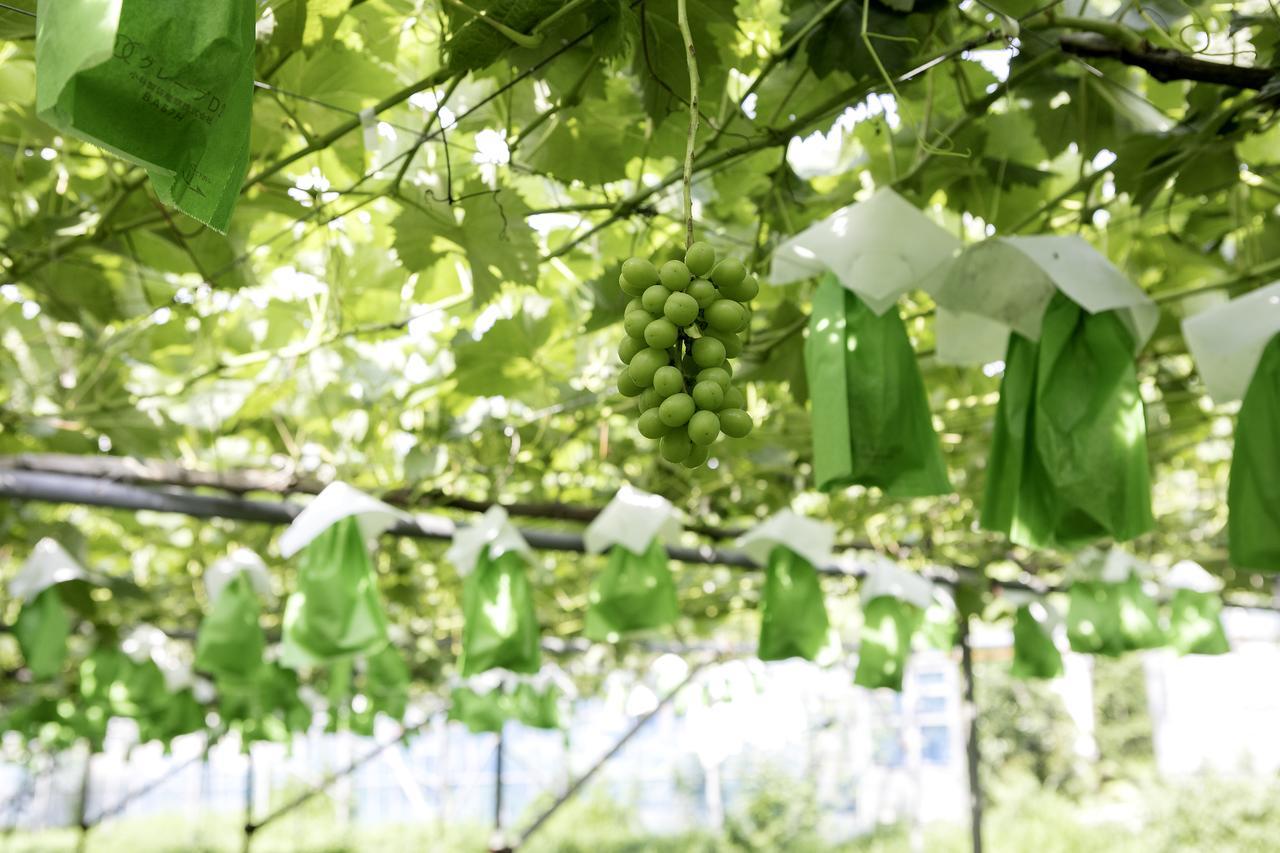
pixel 888 626
pixel 335 611
pixel 1068 460
pixel 536 707
pixel 1035 655
pixel 42 629
pixel 230 642
pixel 635 592
pixel 1253 496
pixel 793 613
pixel 166 85
pixel 479 712
pixel 1112 618
pixel 1195 623
pixel 500 628
pixel 871 420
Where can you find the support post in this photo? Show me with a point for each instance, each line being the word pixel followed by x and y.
pixel 498 842
pixel 973 755
pixel 82 806
pixel 249 827
pixel 576 785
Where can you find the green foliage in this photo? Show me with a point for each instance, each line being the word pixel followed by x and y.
pixel 449 329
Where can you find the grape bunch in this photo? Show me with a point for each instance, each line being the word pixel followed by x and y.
pixel 682 327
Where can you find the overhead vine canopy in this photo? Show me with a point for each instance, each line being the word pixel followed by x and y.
pixel 417 292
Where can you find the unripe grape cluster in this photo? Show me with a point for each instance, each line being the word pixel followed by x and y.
pixel 683 324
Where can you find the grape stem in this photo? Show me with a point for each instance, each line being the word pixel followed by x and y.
pixel 682 13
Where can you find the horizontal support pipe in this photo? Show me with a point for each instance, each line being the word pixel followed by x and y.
pixel 61 488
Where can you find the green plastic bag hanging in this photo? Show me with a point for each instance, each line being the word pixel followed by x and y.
pixel 1195 611
pixel 536 705
pixel 1035 654
pixel 42 629
pixel 871 420
pixel 335 611
pixel 230 643
pixel 1195 623
pixel 1109 612
pixel 479 712
pixel 793 612
pixel 500 627
pixel 1068 457
pixel 386 683
pixel 1253 495
pixel 636 591
pixel 166 85
pixel 44 623
pixel 888 626
pixel 894 603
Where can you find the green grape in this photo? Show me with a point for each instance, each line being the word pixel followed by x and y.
pixel 635 322
pixel 718 375
pixel 639 273
pixel 704 428
pixel 645 364
pixel 628 348
pixel 728 273
pixel 675 446
pixel 725 315
pixel 703 292
pixel 654 298
pixel 734 398
pixel 736 423
pixel 676 410
pixel 681 308
pixel 661 333
pixel 732 343
pixel 627 386
pixel 708 352
pixel 683 379
pixel 708 395
pixel 651 426
pixel 700 258
pixel 674 276
pixel 744 291
pixel 697 456
pixel 667 381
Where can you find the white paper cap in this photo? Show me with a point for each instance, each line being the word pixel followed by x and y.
pixel 1012 279
pixel 222 571
pixel 633 519
pixel 493 530
pixel 1114 566
pixel 879 249
pixel 886 578
pixel 336 502
pixel 147 642
pixel 48 564
pixel 1227 341
pixel 1187 574
pixel 808 537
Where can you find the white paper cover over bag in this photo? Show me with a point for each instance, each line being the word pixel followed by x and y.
pixel 336 502
pixel 808 537
pixel 886 578
pixel 879 249
pixel 48 564
pixel 1227 340
pixel 495 531
pixel 633 519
